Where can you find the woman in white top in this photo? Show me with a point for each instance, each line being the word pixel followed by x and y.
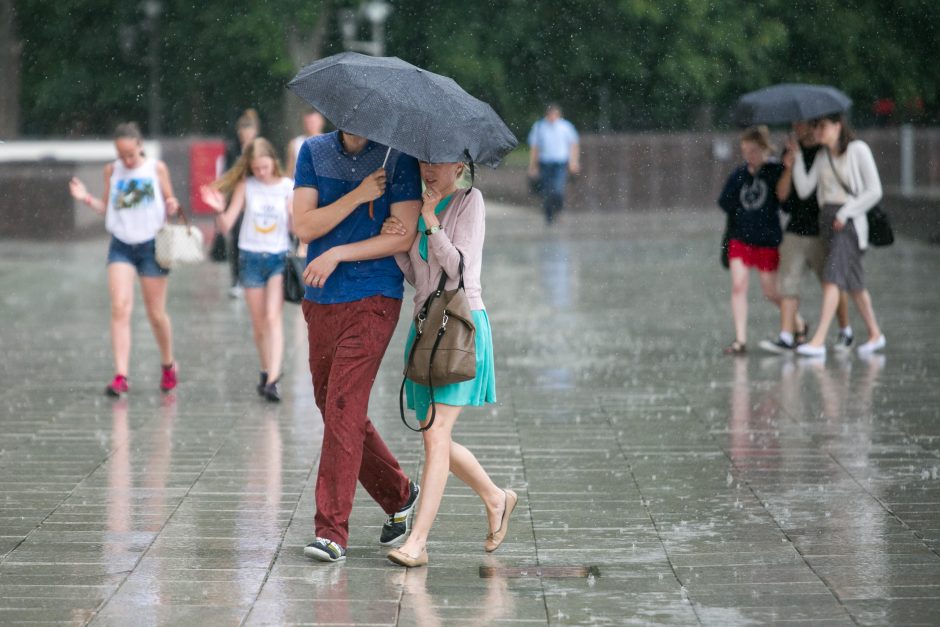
pixel 847 187
pixel 138 197
pixel 264 194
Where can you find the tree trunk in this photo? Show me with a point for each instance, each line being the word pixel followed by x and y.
pixel 10 48
pixel 303 49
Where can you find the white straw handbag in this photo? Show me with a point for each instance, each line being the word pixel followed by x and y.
pixel 178 244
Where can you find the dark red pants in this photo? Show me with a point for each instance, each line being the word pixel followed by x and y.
pixel 347 342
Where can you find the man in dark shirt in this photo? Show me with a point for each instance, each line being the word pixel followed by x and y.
pixel 800 251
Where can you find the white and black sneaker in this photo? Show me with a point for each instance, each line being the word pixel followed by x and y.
pixel 397 525
pixel 778 346
pixel 844 342
pixel 325 550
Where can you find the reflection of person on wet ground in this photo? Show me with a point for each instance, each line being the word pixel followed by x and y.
pixel 452 224
pixel 800 251
pixel 846 183
pixel 138 197
pixel 261 200
pixel 749 197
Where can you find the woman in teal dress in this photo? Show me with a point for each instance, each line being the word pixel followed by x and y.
pixel 452 224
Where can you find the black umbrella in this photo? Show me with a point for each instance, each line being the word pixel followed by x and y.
pixel 419 113
pixel 790 102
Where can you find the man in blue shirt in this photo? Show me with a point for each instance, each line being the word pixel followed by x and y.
pixel 553 153
pixel 343 194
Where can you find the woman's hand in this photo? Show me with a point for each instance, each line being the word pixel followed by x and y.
pixel 172 206
pixel 393 226
pixel 78 189
pixel 789 158
pixel 212 197
pixel 838 224
pixel 319 270
pixel 430 199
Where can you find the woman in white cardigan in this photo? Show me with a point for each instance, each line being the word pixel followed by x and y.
pixel 847 187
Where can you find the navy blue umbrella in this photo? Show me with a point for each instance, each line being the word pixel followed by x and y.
pixel 790 102
pixel 419 113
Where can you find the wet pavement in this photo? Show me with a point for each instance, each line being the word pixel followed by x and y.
pixel 698 488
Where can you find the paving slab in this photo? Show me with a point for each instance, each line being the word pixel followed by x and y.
pixel 701 489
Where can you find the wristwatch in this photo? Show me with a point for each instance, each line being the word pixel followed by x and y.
pixel 434 229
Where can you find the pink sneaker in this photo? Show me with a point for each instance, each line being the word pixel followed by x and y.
pixel 168 380
pixel 118 386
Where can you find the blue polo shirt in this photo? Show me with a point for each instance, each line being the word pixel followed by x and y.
pixel 325 166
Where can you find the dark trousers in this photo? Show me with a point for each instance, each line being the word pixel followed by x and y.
pixel 233 249
pixel 553 177
pixel 347 342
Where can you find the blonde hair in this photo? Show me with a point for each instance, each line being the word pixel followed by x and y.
pixel 759 135
pixel 259 147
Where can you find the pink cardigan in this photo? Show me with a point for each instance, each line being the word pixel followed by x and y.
pixel 463 229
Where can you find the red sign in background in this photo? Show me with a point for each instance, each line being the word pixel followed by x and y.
pixel 206 160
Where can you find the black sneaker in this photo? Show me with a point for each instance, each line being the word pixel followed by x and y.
pixel 272 393
pixel 325 550
pixel 397 525
pixel 844 342
pixel 262 381
pixel 778 346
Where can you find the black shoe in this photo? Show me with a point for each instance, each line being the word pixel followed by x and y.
pixel 271 392
pixel 262 381
pixel 844 342
pixel 325 550
pixel 778 346
pixel 397 525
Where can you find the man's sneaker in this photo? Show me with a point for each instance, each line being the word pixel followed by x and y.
pixel 168 379
pixel 844 342
pixel 397 525
pixel 262 381
pixel 118 386
pixel 325 550
pixel 272 392
pixel 778 346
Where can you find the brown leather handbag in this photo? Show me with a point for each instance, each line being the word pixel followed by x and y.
pixel 444 348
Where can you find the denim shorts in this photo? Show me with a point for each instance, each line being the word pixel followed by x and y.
pixel 256 269
pixel 142 256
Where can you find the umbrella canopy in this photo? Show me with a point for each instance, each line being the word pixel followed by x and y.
pixel 790 102
pixel 419 113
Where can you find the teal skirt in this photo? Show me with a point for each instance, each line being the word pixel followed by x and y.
pixel 475 392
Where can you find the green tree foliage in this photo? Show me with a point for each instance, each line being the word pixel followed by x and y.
pixel 612 64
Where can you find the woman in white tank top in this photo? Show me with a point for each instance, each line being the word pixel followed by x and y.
pixel 138 197
pixel 264 195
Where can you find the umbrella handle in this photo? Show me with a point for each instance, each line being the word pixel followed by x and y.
pixel 371 210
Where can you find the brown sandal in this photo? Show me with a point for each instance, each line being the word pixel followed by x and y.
pixel 495 538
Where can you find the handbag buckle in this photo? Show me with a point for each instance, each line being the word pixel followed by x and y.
pixel 444 321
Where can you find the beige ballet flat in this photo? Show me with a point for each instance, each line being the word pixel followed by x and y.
pixel 403 559
pixel 495 538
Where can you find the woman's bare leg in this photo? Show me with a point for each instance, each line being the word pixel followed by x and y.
pixel 739 279
pixel 121 287
pixel 153 289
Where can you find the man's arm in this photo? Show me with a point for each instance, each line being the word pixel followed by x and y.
pixel 312 222
pixel 382 245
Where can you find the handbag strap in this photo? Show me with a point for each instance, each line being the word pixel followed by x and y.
pixel 836 173
pixel 419 331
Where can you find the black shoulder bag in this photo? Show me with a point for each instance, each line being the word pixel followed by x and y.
pixel 879 227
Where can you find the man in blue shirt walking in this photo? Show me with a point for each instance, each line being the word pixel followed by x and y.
pixel 343 194
pixel 553 152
